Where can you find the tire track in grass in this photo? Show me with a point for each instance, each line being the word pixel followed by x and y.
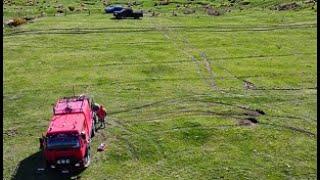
pixel 13 95
pixel 187 49
pixel 247 113
pixel 174 37
pixel 189 113
pixel 131 146
pixel 168 101
pixel 80 31
pixel 234 115
pixel 293 129
pixel 209 69
pixel 183 27
pixel 200 64
pixel 208 66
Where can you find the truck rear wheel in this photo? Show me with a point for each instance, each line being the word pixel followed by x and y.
pixel 93 130
pixel 87 158
pixel 95 122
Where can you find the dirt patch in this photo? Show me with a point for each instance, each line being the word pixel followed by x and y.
pixel 248 122
pixel 256 112
pixel 288 6
pixel 260 111
pixel 251 113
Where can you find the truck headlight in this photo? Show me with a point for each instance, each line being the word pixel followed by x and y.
pixel 68 161
pixel 59 162
pixel 63 161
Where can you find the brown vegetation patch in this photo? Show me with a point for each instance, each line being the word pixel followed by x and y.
pixel 248 122
pixel 16 22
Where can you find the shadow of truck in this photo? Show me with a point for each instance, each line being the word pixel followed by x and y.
pixel 33 167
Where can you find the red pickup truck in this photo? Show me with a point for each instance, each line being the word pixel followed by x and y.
pixel 66 144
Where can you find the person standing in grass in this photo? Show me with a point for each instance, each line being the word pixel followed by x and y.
pixel 101 114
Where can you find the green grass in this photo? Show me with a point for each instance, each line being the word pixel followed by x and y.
pixel 174 89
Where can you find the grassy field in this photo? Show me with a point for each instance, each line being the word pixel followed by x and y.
pixel 180 91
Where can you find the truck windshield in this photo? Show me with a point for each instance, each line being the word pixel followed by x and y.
pixel 63 141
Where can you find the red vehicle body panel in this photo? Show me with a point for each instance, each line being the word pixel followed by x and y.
pixel 71 116
pixel 53 155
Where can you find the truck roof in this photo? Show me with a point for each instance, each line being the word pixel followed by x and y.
pixel 69 105
pixel 66 123
pixel 70 115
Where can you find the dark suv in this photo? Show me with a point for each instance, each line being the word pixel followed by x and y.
pixel 127 12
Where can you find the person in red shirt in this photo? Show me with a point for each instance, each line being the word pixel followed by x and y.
pixel 101 114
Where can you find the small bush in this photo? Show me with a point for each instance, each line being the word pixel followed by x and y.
pixel 71 8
